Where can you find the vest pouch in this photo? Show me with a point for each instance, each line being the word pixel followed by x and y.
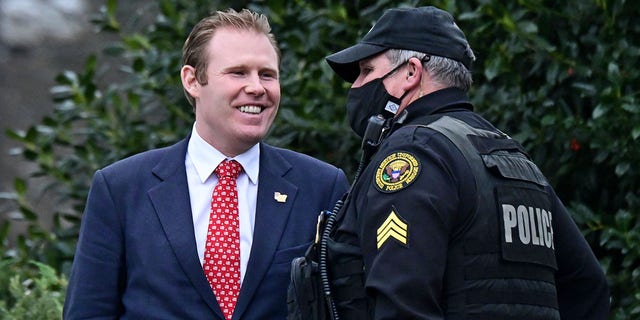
pixel 347 282
pixel 304 295
pixel 514 166
pixel 524 209
pixel 526 225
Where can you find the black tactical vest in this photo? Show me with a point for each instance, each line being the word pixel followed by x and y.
pixel 502 259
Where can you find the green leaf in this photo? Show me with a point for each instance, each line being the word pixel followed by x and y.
pixel 622 168
pixel 632 108
pixel 15 134
pixel 548 120
pixel 599 111
pixel 528 27
pixel 20 185
pixel 60 93
pixel 137 42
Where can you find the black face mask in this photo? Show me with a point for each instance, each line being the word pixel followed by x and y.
pixel 369 100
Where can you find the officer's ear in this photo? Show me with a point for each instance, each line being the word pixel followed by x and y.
pixel 413 74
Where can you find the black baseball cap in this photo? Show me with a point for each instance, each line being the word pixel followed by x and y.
pixel 424 29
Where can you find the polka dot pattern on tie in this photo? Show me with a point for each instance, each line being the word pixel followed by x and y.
pixel 222 250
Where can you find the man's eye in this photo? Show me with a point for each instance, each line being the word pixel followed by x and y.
pixel 365 71
pixel 269 75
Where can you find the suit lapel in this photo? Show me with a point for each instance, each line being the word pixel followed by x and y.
pixel 170 199
pixel 271 218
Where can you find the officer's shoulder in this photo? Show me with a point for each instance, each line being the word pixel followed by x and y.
pixel 416 133
pixel 422 141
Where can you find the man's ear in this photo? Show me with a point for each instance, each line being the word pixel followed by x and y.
pixel 414 74
pixel 189 81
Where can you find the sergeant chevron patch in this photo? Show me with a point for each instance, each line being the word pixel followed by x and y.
pixel 393 227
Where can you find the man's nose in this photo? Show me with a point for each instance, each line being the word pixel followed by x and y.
pixel 254 85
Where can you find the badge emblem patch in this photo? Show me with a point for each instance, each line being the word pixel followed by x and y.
pixel 396 171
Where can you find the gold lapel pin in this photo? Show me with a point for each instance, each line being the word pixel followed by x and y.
pixel 280 197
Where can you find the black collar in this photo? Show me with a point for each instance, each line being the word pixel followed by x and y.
pixel 445 100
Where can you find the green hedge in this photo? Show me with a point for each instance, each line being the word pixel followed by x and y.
pixel 561 77
pixel 32 291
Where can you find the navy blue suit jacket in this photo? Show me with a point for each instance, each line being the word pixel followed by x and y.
pixel 136 256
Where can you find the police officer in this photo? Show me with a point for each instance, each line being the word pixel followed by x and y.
pixel 450 218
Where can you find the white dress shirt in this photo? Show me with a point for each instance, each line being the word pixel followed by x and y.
pixel 200 162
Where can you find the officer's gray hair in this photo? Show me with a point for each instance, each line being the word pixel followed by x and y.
pixel 445 71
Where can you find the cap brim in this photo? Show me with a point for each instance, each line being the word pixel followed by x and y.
pixel 345 62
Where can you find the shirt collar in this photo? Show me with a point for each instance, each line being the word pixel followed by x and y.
pixel 206 158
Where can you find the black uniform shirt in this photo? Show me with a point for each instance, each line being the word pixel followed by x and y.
pixel 413 199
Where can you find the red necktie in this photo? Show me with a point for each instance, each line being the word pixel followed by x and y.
pixel 222 250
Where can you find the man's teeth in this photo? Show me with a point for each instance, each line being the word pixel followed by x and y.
pixel 250 109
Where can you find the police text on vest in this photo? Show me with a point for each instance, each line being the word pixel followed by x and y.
pixel 533 225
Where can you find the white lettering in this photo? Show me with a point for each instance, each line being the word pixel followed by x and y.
pixel 540 227
pixel 535 239
pixel 509 217
pixel 534 225
pixel 545 226
pixel 523 225
pixel 551 228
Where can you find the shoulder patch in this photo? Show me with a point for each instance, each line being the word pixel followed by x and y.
pixel 396 172
pixel 393 227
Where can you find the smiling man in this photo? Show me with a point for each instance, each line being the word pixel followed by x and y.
pixel 206 228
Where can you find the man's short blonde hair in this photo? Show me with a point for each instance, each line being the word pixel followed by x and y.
pixel 194 51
